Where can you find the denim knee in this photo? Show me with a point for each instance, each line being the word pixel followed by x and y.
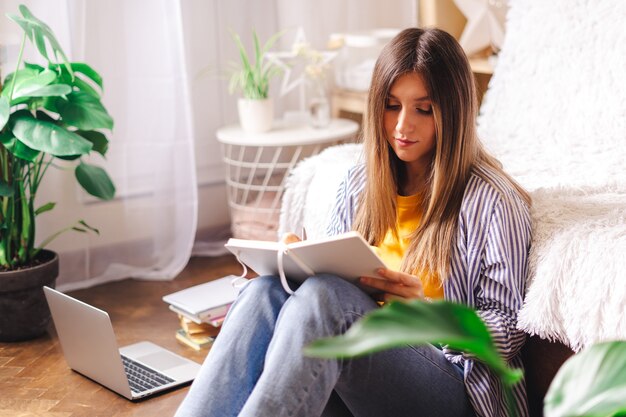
pixel 262 284
pixel 262 291
pixel 334 292
pixel 323 288
pixel 325 283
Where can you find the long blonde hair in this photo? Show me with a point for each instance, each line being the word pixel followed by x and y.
pixel 440 60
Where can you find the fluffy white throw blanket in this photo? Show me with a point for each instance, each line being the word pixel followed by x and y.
pixel 311 188
pixel 577 266
pixel 555 115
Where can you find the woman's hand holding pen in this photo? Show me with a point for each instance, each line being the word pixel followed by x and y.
pixel 396 285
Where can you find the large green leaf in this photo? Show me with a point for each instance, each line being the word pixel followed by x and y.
pixel 99 140
pixel 24 73
pixel 415 323
pixel 17 148
pixel 38 32
pixel 24 152
pixel 51 90
pixel 31 82
pixel 84 111
pixel 48 137
pixel 85 87
pixel 591 383
pixel 88 71
pixel 82 74
pixel 95 181
pixel 49 103
pixel 5 110
pixel 27 81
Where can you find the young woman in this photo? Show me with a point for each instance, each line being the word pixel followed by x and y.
pixel 448 222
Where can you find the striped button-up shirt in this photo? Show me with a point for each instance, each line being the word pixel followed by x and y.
pixel 488 272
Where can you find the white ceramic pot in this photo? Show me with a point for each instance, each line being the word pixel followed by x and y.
pixel 256 116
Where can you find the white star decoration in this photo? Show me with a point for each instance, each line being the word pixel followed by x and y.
pixel 296 62
pixel 485 24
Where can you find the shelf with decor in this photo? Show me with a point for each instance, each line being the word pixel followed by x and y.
pixel 359 50
pixel 351 104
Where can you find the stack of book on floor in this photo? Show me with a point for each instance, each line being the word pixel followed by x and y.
pixel 194 335
pixel 201 310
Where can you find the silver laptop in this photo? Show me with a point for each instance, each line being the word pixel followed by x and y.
pixel 90 348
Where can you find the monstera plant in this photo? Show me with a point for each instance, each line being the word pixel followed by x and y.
pixel 51 116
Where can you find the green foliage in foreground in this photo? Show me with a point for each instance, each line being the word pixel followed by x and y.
pixel 416 323
pixel 591 383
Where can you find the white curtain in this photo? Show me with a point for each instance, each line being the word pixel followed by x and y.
pixel 149 229
pixel 164 67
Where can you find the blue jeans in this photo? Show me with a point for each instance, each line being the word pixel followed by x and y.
pixel 256 367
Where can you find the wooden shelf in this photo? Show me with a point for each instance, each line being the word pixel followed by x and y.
pixel 348 101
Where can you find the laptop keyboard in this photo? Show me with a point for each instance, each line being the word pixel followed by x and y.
pixel 142 378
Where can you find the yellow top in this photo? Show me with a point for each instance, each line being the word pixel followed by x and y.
pixel 392 250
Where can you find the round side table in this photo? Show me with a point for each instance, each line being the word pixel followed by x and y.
pixel 257 165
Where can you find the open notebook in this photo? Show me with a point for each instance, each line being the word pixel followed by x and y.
pixel 347 255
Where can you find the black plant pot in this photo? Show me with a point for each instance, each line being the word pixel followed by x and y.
pixel 24 312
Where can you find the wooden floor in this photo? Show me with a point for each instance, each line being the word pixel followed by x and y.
pixel 35 380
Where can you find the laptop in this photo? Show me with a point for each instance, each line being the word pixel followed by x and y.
pixel 90 348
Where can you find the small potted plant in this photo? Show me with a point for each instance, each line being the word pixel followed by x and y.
pixel 252 79
pixel 50 116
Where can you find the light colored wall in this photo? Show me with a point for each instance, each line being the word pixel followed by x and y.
pixel 209 47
